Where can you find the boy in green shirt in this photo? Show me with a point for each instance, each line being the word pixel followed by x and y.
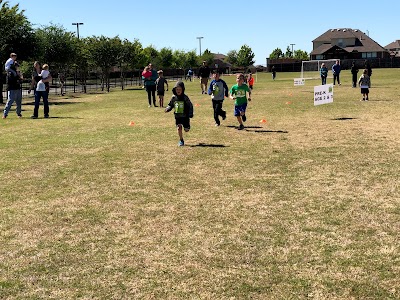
pixel 238 92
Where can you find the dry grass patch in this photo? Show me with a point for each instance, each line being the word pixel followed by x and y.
pixel 303 206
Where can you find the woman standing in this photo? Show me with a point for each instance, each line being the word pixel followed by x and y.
pixel 40 92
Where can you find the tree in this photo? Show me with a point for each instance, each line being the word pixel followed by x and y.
pixel 131 57
pixel 288 53
pixel 276 54
pixel 245 57
pixel 301 55
pixel 208 57
pixel 56 46
pixel 232 57
pixel 105 53
pixel 16 35
pixel 165 58
pixel 150 54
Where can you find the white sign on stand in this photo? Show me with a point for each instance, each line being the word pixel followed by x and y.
pixel 299 81
pixel 323 94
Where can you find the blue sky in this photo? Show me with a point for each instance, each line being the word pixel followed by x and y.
pixel 225 25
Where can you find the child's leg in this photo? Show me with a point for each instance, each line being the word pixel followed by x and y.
pixel 162 101
pixel 180 131
pixel 239 118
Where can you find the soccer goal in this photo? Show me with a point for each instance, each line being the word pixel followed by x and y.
pixel 310 68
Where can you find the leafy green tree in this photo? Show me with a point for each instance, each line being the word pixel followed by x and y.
pixel 208 57
pixel 165 58
pixel 192 58
pixel 232 57
pixel 179 59
pixel 245 57
pixel 288 53
pixel 150 54
pixel 105 53
pixel 277 53
pixel 56 46
pixel 301 55
pixel 131 57
pixel 16 35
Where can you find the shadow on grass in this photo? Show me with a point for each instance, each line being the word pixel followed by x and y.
pixel 343 119
pixel 268 131
pixel 257 130
pixel 52 103
pixel 209 145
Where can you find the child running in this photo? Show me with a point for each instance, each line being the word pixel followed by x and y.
pixel 160 82
pixel 183 110
pixel 238 92
pixel 218 91
pixel 364 83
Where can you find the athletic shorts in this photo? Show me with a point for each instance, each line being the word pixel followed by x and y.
pixel 160 93
pixel 364 91
pixel 185 122
pixel 239 109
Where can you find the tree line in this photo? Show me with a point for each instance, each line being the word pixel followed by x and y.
pixel 64 51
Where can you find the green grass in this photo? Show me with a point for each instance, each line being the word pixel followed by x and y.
pixel 305 206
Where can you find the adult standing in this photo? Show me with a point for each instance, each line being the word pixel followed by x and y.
pixel 354 72
pixel 14 91
pixel 273 71
pixel 150 85
pixel 368 67
pixel 324 73
pixel 336 72
pixel 40 92
pixel 204 74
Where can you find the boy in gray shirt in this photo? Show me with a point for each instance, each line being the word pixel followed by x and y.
pixel 218 91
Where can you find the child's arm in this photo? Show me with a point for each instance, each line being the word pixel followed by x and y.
pixel 166 82
pixel 170 105
pixel 210 87
pixel 226 90
pixel 190 108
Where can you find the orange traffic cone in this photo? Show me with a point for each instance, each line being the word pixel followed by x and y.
pixel 131 123
pixel 263 121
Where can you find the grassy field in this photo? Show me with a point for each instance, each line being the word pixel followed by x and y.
pixel 304 206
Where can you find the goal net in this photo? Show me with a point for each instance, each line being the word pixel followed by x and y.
pixel 310 68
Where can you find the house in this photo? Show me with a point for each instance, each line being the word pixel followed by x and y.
pixel 394 48
pixel 346 43
pixel 220 63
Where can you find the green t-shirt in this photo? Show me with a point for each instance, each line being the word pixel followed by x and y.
pixel 179 107
pixel 240 93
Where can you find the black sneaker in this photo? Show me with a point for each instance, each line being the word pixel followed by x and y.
pixel 241 127
pixel 46 116
pixel 34 117
pixel 224 115
pixel 244 118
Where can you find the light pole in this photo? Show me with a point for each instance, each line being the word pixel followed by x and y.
pixel 199 38
pixel 292 49
pixel 77 28
pixel 76 67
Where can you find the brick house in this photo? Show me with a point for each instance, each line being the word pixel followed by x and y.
pixel 346 43
pixel 394 48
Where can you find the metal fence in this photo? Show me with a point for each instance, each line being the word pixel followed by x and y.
pixel 92 84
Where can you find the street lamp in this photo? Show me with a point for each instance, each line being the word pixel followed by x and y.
pixel 77 28
pixel 292 49
pixel 199 38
